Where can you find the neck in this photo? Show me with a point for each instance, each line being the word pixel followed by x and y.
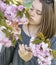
pixel 31 30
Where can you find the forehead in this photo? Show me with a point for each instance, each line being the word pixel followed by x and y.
pixel 37 5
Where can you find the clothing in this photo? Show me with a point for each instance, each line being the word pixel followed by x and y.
pixel 53 46
pixel 8 55
pixel 18 61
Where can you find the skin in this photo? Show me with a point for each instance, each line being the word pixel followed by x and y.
pixel 35 13
pixel 34 21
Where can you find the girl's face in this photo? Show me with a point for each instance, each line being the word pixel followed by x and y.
pixel 35 12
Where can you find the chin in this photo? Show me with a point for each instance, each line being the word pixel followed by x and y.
pixel 31 23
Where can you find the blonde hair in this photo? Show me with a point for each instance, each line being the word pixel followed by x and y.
pixel 48 21
pixel 55 11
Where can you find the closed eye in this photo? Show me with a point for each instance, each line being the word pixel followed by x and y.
pixel 38 12
pixel 31 9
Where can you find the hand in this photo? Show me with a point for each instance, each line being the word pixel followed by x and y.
pixel 24 52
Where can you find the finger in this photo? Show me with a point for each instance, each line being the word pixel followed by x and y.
pixel 20 47
pixel 23 48
pixel 27 48
pixel 27 56
pixel 20 53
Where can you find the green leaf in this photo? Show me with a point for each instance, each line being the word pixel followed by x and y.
pixel 48 42
pixel 41 36
pixel 27 14
pixel 23 10
pixel 6 32
pixel 36 41
pixel 20 37
pixel 2 23
pixel 8 35
pixel 54 53
pixel 18 3
pixel 13 2
pixel 20 13
pixel 2 15
pixel 13 40
pixel 7 1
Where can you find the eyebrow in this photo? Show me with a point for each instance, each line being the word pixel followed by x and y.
pixel 37 9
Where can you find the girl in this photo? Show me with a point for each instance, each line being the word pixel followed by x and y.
pixel 42 19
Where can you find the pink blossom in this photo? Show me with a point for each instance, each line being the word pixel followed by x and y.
pixel 20 7
pixel 41 51
pixel 2 6
pixel 7 42
pixel 23 19
pixel 10 12
pixel 2 35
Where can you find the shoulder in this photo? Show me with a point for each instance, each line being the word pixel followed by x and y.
pixel 53 42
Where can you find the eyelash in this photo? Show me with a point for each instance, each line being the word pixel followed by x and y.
pixel 32 9
pixel 36 11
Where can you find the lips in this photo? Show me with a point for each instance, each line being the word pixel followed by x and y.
pixel 31 16
pixel 30 19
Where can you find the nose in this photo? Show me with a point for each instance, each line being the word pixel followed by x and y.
pixel 32 12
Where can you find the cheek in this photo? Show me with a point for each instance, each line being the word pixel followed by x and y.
pixel 37 19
